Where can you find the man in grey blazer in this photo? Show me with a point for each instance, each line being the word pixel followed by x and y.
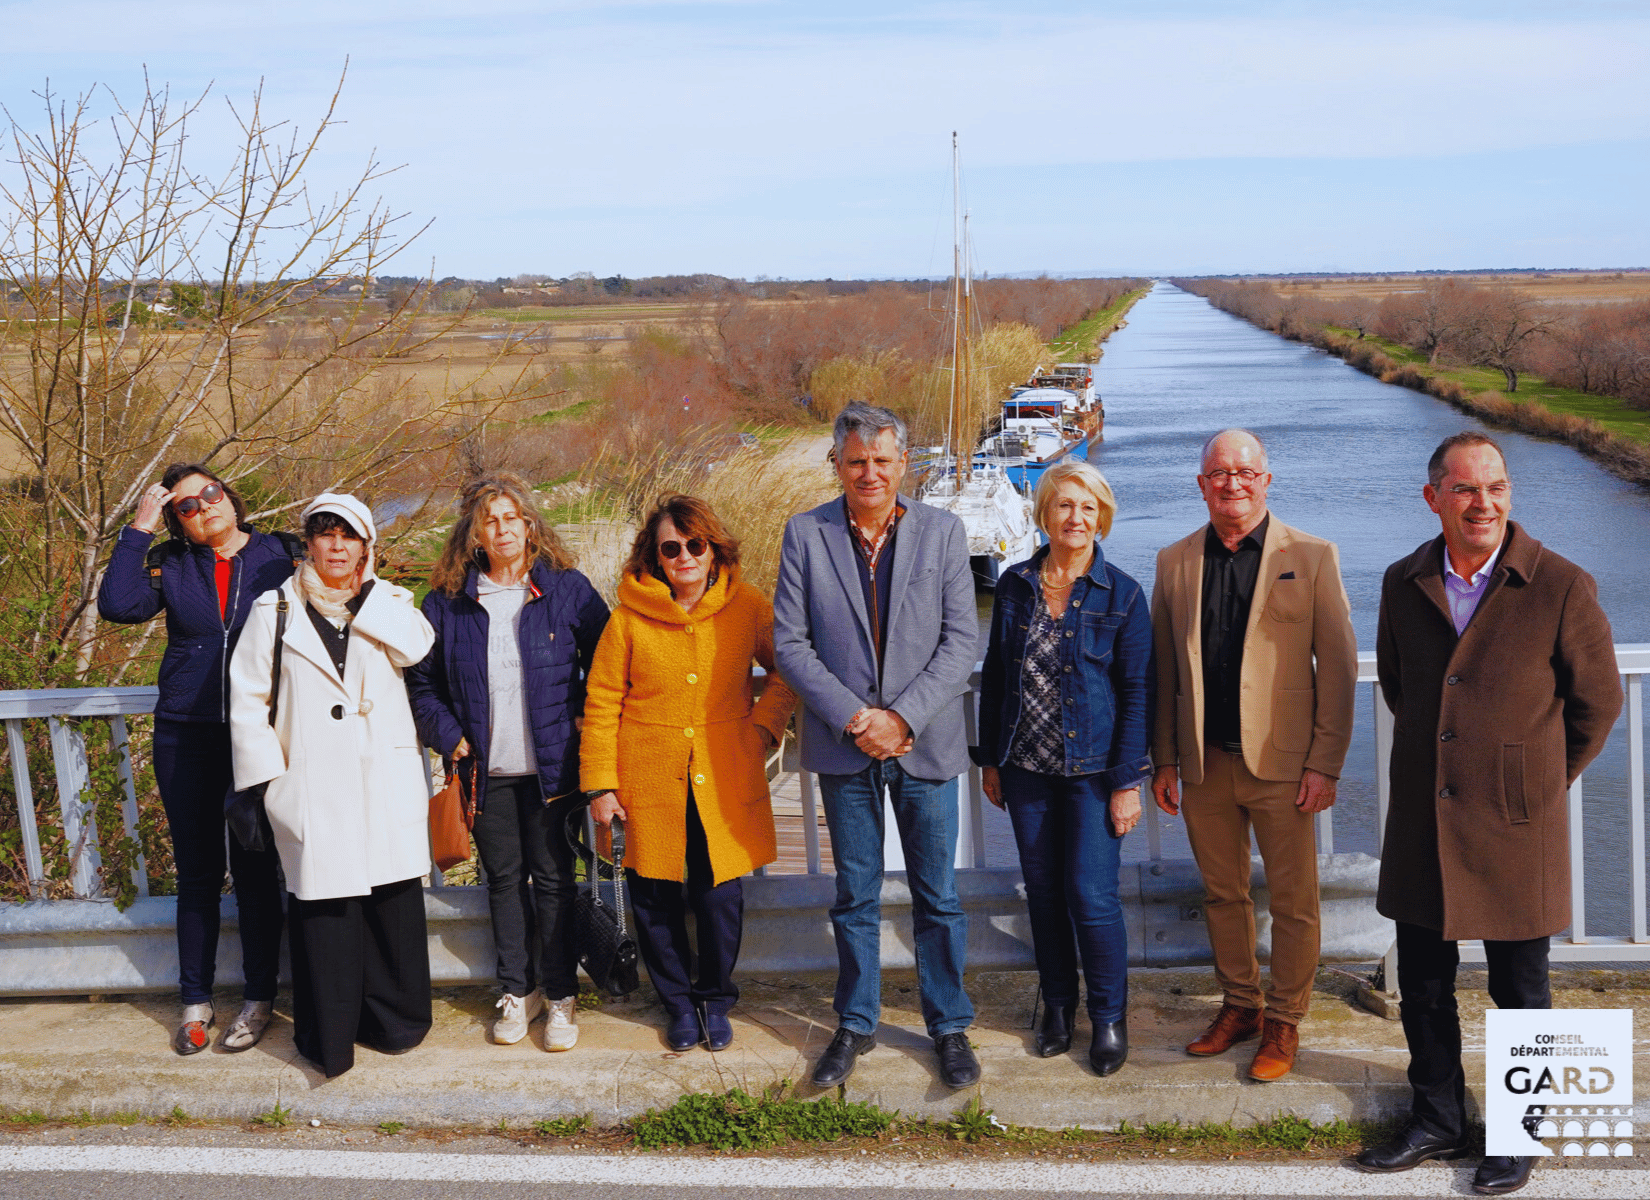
pixel 875 628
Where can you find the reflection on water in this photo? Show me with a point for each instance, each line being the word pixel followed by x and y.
pixel 1348 454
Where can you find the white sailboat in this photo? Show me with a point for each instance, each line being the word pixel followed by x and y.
pixel 976 487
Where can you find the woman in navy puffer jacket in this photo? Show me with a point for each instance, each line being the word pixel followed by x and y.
pixel 515 629
pixel 215 566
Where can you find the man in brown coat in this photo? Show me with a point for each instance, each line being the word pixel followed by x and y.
pixel 1256 670
pixel 1499 667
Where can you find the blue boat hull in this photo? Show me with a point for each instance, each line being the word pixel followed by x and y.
pixel 1025 476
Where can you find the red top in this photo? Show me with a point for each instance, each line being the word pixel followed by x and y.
pixel 221 571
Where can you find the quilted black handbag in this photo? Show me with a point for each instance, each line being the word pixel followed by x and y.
pixel 601 929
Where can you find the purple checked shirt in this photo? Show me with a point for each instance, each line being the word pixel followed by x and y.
pixel 1463 595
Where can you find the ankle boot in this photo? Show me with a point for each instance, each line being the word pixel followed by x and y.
pixel 1054 1029
pixel 1110 1048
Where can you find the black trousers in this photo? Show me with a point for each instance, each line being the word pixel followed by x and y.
pixel 530 885
pixel 661 907
pixel 1432 1025
pixel 360 973
pixel 194 773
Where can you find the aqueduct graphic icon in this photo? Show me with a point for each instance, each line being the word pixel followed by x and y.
pixel 1600 1131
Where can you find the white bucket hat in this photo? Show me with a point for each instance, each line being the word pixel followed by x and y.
pixel 348 507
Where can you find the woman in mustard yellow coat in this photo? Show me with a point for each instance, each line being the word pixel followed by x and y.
pixel 677 747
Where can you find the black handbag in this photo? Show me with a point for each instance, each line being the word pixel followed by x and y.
pixel 601 916
pixel 244 811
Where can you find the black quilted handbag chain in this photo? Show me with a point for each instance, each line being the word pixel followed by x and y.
pixel 607 948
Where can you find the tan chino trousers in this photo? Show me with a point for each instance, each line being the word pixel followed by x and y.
pixel 1219 813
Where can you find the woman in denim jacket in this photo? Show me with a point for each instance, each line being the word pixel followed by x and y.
pixel 1065 712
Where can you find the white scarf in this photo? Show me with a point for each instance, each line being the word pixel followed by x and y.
pixel 330 602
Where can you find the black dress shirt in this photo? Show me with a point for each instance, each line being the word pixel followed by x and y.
pixel 1228 590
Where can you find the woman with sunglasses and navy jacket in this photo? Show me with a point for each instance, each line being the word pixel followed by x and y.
pixel 204 580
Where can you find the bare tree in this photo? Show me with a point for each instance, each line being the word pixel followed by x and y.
pixel 1499 323
pixel 283 373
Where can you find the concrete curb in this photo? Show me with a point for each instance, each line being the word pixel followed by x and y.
pixel 88 947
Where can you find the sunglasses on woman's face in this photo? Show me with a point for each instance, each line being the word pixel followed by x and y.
pixel 190 505
pixel 671 550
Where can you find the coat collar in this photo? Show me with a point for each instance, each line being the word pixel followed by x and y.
pixel 1097 575
pixel 651 598
pixel 1520 556
pixel 538 581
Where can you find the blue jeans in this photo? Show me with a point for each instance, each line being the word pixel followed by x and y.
pixel 1062 825
pixel 926 813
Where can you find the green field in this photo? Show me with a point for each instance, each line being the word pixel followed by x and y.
pixel 1615 415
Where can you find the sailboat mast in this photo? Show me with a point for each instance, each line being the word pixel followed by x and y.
pixel 966 431
pixel 952 415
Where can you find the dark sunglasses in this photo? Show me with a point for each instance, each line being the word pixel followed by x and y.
pixel 190 505
pixel 670 550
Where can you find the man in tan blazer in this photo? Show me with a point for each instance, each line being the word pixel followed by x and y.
pixel 1256 669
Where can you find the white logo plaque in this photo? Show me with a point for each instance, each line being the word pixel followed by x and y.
pixel 1559 1081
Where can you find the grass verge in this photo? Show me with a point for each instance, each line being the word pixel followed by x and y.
pixel 1614 415
pixel 780 1123
pixel 1081 342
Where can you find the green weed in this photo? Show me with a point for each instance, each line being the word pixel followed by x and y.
pixel 563 1126
pixel 973 1122
pixel 275 1118
pixel 737 1121
pixel 391 1127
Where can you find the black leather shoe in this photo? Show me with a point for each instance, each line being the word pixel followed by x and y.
pixel 1412 1147
pixel 1499 1174
pixel 1110 1048
pixel 840 1057
pixel 1054 1029
pixel 718 1030
pixel 684 1032
pixel 958 1066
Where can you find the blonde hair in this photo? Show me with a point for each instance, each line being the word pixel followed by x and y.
pixel 1073 470
pixel 463 549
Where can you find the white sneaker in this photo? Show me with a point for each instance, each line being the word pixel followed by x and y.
pixel 515 1014
pixel 561 1031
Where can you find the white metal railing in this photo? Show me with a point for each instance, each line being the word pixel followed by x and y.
pixel 58 707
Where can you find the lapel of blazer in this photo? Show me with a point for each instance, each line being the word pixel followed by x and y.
pixel 1190 580
pixel 840 549
pixel 1274 561
pixel 911 528
pixel 302 640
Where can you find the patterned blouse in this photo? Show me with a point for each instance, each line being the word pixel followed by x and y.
pixel 1039 740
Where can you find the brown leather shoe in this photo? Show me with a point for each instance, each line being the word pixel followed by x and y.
pixel 1276 1057
pixel 1233 1024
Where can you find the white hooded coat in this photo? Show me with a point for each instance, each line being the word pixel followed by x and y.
pixel 347 797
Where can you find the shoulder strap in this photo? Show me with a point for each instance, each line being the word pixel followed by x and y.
pixel 156 558
pixel 293 545
pixel 280 640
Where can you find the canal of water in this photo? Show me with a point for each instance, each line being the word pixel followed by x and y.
pixel 1348 455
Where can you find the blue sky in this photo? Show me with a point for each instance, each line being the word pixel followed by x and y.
pixel 813 139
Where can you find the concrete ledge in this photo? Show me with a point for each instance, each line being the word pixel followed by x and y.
pixel 63 1058
pixel 81 947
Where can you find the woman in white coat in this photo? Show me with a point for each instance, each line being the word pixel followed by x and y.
pixel 346 795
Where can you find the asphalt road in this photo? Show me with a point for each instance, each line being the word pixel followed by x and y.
pixel 109 1163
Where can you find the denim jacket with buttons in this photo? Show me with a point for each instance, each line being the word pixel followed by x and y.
pixel 1107 681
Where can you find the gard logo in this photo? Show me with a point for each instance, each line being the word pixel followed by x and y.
pixel 1559 1082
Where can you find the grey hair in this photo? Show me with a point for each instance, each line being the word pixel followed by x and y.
pixel 868 422
pixel 1209 446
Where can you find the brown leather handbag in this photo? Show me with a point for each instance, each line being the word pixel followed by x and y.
pixel 453 815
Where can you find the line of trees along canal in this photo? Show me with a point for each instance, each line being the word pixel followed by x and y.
pixel 1595 349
